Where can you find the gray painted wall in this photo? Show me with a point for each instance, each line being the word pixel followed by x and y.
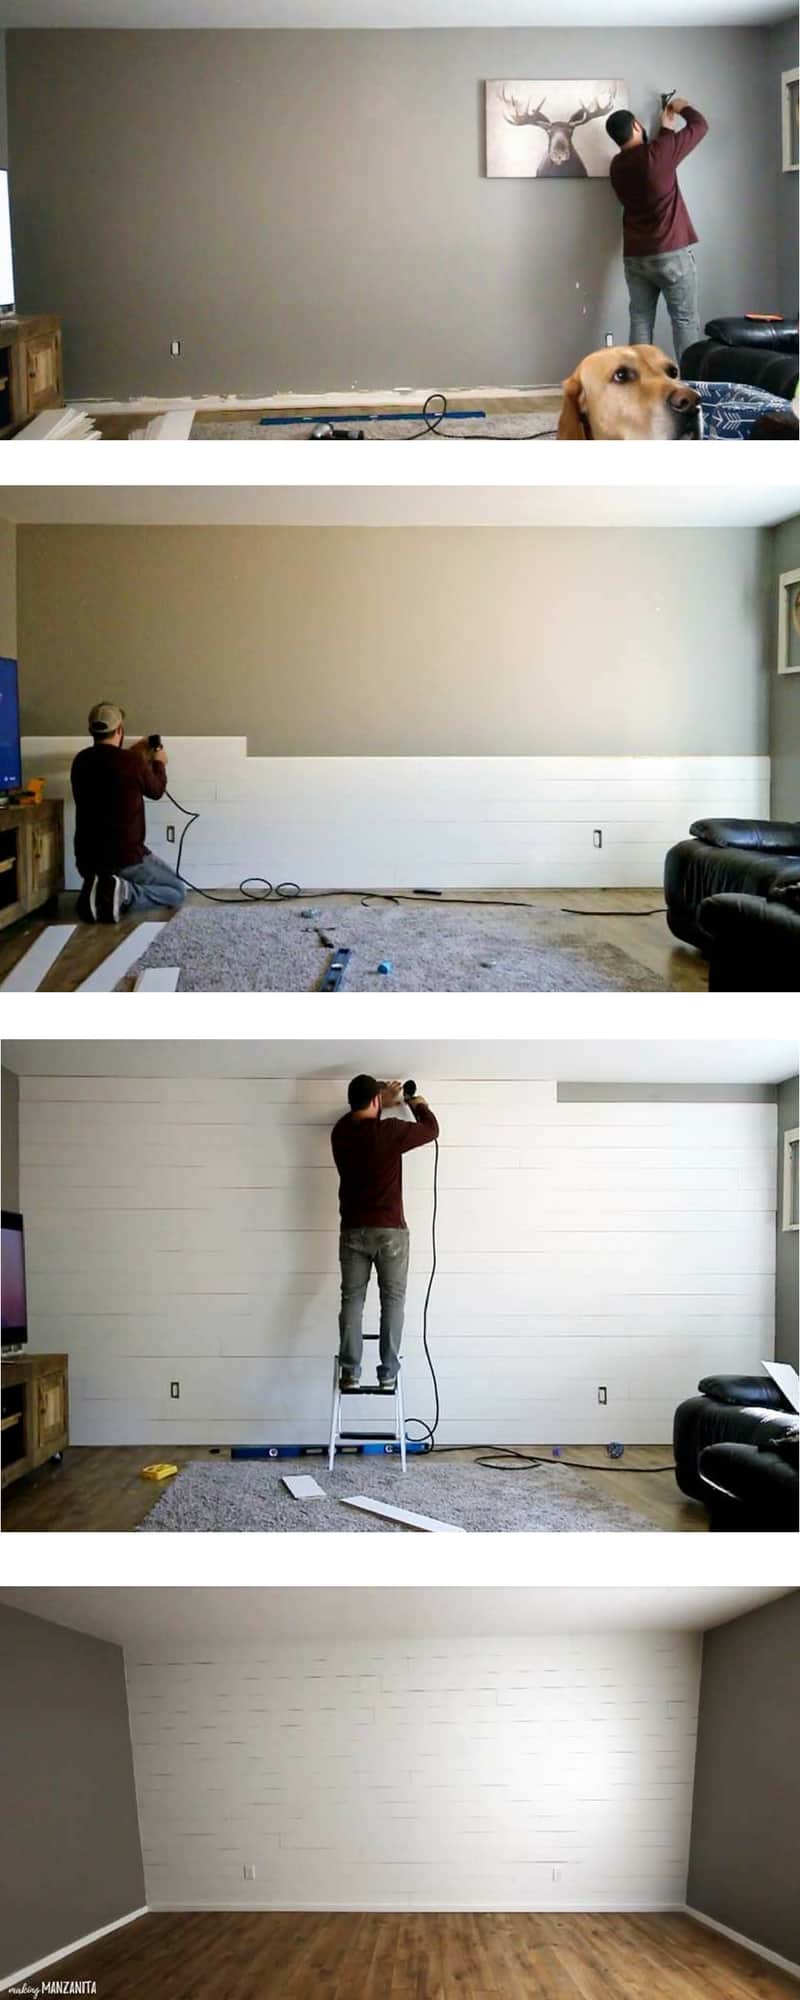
pixel 787 1274
pixel 742 1864
pixel 784 728
pixel 9 1159
pixel 72 1860
pixel 3 110
pixel 308 210
pixel 783 55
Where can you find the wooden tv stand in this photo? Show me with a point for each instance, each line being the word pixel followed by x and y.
pixel 34 1396
pixel 31 372
pixel 31 858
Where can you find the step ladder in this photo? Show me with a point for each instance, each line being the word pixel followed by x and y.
pixel 338 1436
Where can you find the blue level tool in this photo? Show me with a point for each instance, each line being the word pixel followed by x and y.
pixel 332 416
pixel 377 1450
pixel 337 968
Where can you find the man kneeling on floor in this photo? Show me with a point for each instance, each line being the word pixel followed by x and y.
pixel 109 786
pixel 368 1150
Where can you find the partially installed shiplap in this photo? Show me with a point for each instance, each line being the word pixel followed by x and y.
pixel 507 1774
pixel 186 1230
pixel 445 822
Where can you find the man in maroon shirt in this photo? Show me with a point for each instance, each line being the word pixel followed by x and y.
pixel 658 233
pixel 109 786
pixel 368 1150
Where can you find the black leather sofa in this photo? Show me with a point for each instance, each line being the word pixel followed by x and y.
pixel 713 880
pixel 735 1449
pixel 754 942
pixel 761 353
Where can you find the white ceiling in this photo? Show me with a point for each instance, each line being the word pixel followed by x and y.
pixel 162 1622
pixel 387 13
pixel 614 1061
pixel 734 501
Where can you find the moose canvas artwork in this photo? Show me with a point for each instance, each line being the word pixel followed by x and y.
pixel 551 131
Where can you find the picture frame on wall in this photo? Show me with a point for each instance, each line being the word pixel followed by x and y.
pixel 790 113
pixel 789 622
pixel 550 130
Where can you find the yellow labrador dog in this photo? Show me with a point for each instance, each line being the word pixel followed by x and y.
pixel 628 392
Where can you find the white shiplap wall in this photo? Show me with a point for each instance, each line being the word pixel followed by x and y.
pixel 419 1775
pixel 446 822
pixel 187 1229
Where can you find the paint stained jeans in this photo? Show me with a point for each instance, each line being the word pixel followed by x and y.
pixel 673 277
pixel 388 1250
pixel 154 885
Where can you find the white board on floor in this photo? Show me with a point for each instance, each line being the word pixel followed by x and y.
pixel 786 1379
pixel 409 1520
pixel 158 979
pixel 29 971
pixel 302 1486
pixel 105 976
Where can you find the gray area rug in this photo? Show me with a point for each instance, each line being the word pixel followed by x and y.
pixel 272 948
pixel 528 424
pixel 220 1497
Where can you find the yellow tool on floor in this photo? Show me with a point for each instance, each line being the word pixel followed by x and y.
pixel 158 1471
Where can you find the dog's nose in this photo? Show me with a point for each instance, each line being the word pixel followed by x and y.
pixel 683 399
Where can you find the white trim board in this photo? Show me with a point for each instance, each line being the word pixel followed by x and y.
pixel 747 1943
pixel 445 822
pixel 475 1907
pixel 159 979
pixel 66 1950
pixel 402 1514
pixel 27 975
pixel 105 976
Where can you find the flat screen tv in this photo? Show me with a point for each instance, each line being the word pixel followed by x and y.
pixel 13 1297
pixel 6 251
pixel 10 751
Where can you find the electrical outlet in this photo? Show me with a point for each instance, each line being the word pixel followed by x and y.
pixel 602 1395
pixel 249 1872
pixel 556 1873
pixel 175 348
pixel 175 1390
pixel 597 836
pixel 171 835
pixel 610 340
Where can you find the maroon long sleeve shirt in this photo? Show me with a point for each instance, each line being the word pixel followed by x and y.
pixel 369 1155
pixel 645 180
pixel 109 786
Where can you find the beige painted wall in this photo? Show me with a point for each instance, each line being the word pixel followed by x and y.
pixel 8 589
pixel 406 641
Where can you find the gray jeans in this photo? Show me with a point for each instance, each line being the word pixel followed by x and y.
pixel 153 884
pixel 388 1250
pixel 673 277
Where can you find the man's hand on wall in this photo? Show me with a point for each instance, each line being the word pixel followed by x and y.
pixel 392 1093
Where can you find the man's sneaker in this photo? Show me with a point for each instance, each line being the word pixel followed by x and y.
pixel 109 898
pixel 349 1378
pixel 86 906
pixel 387 1382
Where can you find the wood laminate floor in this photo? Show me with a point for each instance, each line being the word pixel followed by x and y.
pixel 98 1489
pixel 260 1955
pixel 645 938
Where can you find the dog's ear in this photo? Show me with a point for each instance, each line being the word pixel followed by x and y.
pixel 569 422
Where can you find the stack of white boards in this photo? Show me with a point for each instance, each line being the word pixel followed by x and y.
pixel 60 427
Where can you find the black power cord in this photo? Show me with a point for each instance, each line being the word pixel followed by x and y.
pixel 432 421
pixel 287 891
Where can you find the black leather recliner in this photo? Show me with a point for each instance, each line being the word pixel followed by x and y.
pixel 761 353
pixel 711 882
pixel 735 1449
pixel 754 942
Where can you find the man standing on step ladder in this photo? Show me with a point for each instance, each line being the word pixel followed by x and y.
pixel 368 1150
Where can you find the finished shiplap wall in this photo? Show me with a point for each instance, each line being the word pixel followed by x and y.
pixel 449 822
pixel 186 1229
pixel 504 1774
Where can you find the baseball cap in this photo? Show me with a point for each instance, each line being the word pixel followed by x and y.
pixel 105 717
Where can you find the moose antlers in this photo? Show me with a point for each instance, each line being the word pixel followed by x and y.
pixel 520 114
